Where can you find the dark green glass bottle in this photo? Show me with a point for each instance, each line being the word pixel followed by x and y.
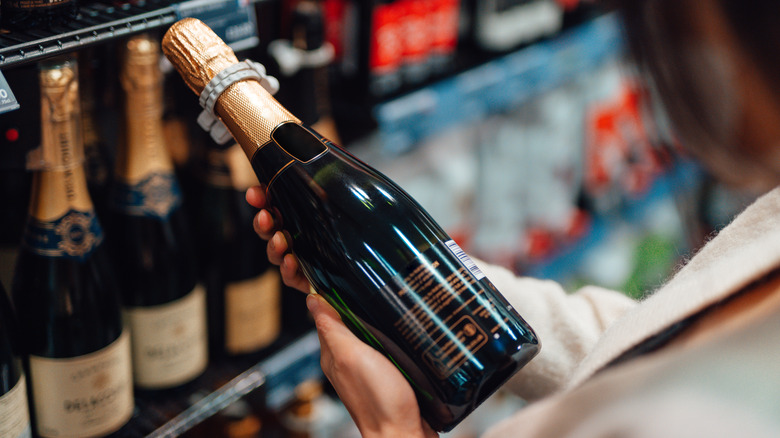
pixel 397 280
pixel 164 305
pixel 243 288
pixel 71 330
pixel 14 413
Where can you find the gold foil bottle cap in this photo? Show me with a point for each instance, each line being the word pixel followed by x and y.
pixel 196 52
pixel 59 88
pixel 247 109
pixel 61 144
pixel 140 65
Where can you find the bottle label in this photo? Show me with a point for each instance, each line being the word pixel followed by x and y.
pixel 445 26
pixel 415 30
pixel 386 39
pixel 157 195
pixel 252 313
pixel 88 395
pixel 14 416
pixel 74 235
pixel 446 322
pixel 169 341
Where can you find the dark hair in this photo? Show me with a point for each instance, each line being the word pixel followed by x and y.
pixel 695 82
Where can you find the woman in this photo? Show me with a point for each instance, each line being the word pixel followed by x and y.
pixel 697 358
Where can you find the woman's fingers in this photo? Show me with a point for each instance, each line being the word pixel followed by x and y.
pixel 255 196
pixel 265 227
pixel 277 246
pixel 264 224
pixel 292 274
pixel 374 391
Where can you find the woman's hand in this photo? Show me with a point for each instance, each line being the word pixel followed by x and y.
pixel 376 394
pixel 277 248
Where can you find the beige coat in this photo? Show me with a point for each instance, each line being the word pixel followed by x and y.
pixel 727 386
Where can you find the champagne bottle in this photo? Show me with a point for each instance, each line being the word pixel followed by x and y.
pixel 97 154
pixel 64 289
pixel 14 414
pixel 397 280
pixel 306 92
pixel 19 14
pixel 243 288
pixel 164 305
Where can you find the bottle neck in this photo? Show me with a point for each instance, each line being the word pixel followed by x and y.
pixel 56 192
pixel 59 182
pixel 143 151
pixel 251 114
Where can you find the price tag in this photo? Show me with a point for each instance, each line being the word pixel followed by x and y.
pixel 8 101
pixel 231 20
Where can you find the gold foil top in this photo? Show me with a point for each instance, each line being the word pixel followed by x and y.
pixel 144 151
pixel 61 143
pixel 59 183
pixel 246 108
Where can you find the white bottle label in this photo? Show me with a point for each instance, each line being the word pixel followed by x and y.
pixel 252 313
pixel 170 345
pixel 83 396
pixel 14 416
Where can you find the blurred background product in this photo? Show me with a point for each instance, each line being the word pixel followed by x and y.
pixel 14 413
pixel 21 14
pixel 518 125
pixel 243 289
pixel 164 304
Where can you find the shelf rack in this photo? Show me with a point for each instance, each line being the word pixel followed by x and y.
pixel 96 23
pixel 278 375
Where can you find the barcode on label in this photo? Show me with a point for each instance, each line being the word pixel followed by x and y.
pixel 465 259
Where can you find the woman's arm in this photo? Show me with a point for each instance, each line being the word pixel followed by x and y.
pixel 568 326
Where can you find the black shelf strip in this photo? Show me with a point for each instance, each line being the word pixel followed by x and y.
pixel 94 24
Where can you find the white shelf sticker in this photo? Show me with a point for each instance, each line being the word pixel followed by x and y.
pixel 8 101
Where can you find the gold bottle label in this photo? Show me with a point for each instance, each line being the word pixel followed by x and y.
pixel 170 344
pixel 14 415
pixel 89 395
pixel 252 312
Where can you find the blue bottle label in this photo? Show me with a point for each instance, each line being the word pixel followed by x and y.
pixel 157 195
pixel 74 235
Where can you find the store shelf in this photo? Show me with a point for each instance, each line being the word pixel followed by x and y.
pixel 681 178
pixel 174 412
pixel 498 85
pixel 97 23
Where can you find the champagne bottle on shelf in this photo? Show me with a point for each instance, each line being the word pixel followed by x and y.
pixel 78 354
pixel 164 304
pixel 14 413
pixel 243 288
pixel 306 91
pixel 20 14
pixel 397 280
pixel 97 155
